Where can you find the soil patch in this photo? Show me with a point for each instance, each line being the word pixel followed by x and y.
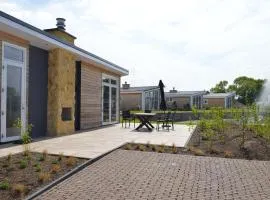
pixel 227 145
pixel 22 175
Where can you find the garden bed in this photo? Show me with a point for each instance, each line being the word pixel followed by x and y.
pixel 254 148
pixel 21 175
pixel 230 144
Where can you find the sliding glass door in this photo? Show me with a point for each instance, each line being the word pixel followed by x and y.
pixel 110 96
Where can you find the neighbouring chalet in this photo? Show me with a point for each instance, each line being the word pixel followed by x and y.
pixel 139 98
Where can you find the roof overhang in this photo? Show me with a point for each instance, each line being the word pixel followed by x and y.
pixel 46 41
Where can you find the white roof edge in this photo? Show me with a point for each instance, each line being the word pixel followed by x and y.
pixel 60 44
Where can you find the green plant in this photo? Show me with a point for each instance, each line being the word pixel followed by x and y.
pixel 142 147
pixel 161 148
pixel 43 155
pixel 19 189
pixel 44 176
pixel 41 158
pixel 38 167
pixel 4 185
pixel 9 157
pixel 55 162
pixel 26 150
pixel 71 161
pixel 26 135
pixel 128 146
pixel 23 164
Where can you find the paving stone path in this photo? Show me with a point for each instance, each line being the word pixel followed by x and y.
pixel 148 175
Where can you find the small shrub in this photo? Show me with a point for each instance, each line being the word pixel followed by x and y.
pixel 41 158
pixel 60 156
pixel 142 147
pixel 161 148
pixel 55 162
pixel 19 189
pixel 196 151
pixel 55 168
pixel 44 176
pixel 4 185
pixel 70 161
pixel 9 158
pixel 28 157
pixel 174 149
pixel 37 167
pixel 128 147
pixel 23 164
pixel 26 152
pixel 228 154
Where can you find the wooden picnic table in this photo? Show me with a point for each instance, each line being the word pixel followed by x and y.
pixel 145 120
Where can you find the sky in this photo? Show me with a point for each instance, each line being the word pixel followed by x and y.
pixel 190 45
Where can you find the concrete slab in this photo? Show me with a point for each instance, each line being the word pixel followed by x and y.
pixel 90 144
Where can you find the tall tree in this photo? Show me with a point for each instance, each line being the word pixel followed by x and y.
pixel 220 87
pixel 247 89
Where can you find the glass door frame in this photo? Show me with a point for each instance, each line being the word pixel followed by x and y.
pixel 22 65
pixel 105 76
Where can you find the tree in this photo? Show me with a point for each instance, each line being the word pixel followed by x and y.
pixel 247 89
pixel 220 87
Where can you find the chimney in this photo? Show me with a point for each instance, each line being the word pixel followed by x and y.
pixel 125 86
pixel 61 23
pixel 173 90
pixel 60 31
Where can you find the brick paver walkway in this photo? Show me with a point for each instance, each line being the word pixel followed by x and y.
pixel 146 175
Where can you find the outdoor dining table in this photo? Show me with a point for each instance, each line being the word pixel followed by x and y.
pixel 145 120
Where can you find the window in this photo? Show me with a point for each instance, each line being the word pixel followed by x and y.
pixel 205 101
pixel 13 53
pixel 110 96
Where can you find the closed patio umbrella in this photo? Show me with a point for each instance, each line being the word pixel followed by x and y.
pixel 163 105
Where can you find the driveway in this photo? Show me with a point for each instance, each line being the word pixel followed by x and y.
pixel 148 175
pixel 90 144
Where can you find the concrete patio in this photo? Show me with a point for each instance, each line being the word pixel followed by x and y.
pixel 90 144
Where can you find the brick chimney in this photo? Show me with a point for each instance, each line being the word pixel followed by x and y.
pixel 60 31
pixel 125 86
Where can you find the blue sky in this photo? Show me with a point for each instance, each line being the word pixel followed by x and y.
pixel 190 45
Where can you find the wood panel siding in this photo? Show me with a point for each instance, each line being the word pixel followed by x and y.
pixel 91 95
pixel 215 102
pixel 181 102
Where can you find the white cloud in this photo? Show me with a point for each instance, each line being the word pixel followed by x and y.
pixel 188 44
